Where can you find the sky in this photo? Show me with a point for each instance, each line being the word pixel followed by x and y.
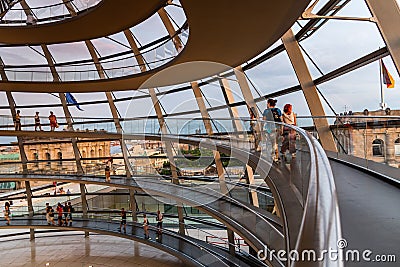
pixel 335 44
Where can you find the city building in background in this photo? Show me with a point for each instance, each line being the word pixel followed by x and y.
pixel 376 138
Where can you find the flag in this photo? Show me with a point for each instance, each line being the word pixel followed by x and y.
pixel 387 78
pixel 71 100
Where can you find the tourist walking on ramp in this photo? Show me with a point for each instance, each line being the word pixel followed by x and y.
pixel 123 220
pixel 53 121
pixel 159 220
pixel 66 215
pixel 17 121
pixel 110 169
pixel 107 171
pixel 7 212
pixel 60 210
pixel 68 195
pixel 289 134
pixel 272 115
pixel 110 165
pixel 70 209
pixel 146 227
pixel 37 122
pixel 48 208
pixel 51 216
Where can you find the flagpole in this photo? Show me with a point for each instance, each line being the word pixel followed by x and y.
pixel 383 104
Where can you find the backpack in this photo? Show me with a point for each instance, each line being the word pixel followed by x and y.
pixel 275 114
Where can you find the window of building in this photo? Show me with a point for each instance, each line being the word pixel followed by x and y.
pixel 36 158
pixel 92 155
pixel 342 146
pixel 48 158
pixel 377 147
pixel 59 156
pixel 397 147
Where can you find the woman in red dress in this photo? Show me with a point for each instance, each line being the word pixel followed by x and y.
pixel 53 121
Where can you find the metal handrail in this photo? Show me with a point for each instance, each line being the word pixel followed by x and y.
pixel 242 119
pixel 319 210
pixel 316 195
pixel 321 225
pixel 350 117
pixel 221 259
pixel 316 200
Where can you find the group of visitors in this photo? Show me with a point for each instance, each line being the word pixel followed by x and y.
pixel 159 219
pixel 64 218
pixel 146 224
pixel 275 132
pixel 64 214
pixel 38 126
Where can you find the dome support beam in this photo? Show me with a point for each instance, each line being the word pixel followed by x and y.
pixel 206 119
pixel 217 156
pixel 309 90
pixel 387 16
pixel 24 159
pixel 68 117
pixel 228 95
pixel 110 100
pixel 161 121
pixel 170 28
pixel 113 108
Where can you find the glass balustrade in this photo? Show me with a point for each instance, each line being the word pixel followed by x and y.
pixel 17 16
pixel 115 67
pixel 279 155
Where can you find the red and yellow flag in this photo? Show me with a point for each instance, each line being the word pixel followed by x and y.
pixel 387 78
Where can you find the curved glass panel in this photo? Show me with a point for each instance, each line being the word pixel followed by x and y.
pixel 53 12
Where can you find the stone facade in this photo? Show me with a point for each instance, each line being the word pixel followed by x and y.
pixel 376 138
pixel 61 149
